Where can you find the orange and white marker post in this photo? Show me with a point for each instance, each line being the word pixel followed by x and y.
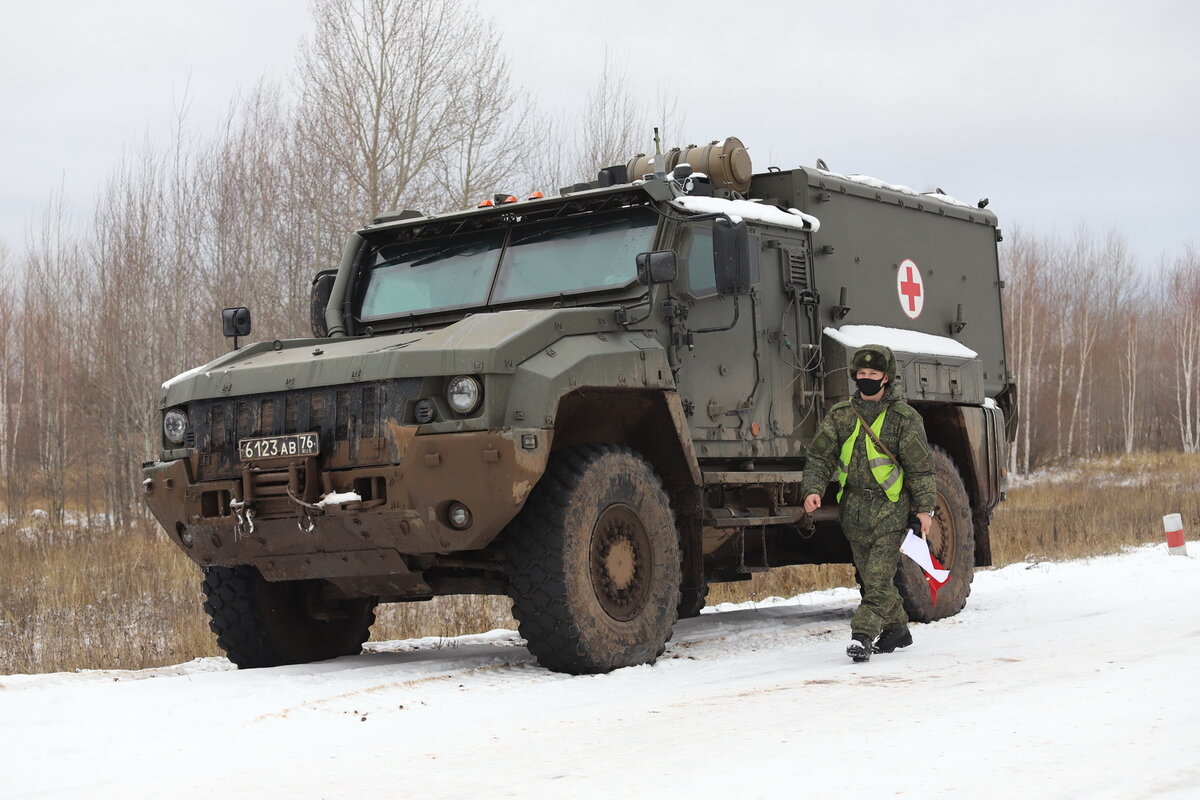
pixel 1173 526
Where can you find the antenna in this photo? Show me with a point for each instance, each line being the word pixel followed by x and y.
pixel 657 143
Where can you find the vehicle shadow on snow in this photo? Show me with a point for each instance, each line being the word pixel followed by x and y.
pixel 809 619
pixel 504 652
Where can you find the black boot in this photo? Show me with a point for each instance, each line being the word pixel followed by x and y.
pixel 859 648
pixel 889 640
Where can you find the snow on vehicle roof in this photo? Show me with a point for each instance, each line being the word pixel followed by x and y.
pixel 900 339
pixel 738 210
pixel 875 183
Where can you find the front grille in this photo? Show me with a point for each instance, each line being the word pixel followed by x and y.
pixel 348 419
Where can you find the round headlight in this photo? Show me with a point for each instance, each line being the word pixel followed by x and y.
pixel 463 394
pixel 459 516
pixel 175 424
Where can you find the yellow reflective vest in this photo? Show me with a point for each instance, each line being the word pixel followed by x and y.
pixel 886 472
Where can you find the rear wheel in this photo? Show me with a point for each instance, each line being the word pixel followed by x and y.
pixel 952 542
pixel 263 624
pixel 594 561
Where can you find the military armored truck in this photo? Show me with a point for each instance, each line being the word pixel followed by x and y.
pixel 596 403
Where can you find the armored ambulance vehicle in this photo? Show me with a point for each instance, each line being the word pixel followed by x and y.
pixel 596 403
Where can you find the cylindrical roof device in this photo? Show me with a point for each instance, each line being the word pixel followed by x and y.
pixel 727 164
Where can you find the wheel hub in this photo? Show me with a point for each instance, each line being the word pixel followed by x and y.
pixel 620 562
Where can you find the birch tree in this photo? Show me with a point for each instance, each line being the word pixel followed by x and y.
pixel 403 103
pixel 12 384
pixel 55 285
pixel 614 122
pixel 1182 284
pixel 1125 312
pixel 611 127
pixel 1026 266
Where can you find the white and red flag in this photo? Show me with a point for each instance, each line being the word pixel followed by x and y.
pixel 917 549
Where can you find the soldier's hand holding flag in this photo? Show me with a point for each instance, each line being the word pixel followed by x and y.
pixel 917 549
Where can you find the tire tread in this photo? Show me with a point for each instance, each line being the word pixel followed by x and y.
pixel 536 555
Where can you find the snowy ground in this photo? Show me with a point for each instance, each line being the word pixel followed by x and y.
pixel 1059 680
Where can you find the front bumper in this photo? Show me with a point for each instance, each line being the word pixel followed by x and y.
pixel 269 516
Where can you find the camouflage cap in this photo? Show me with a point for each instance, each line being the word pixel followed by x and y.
pixel 874 356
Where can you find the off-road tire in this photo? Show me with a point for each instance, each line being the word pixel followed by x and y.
pixel 263 624
pixel 594 562
pixel 952 542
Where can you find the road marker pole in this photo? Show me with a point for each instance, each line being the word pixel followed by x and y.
pixel 1173 527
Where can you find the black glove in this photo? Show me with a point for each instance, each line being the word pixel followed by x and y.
pixel 914 523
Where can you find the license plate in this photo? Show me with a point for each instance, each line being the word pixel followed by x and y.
pixel 293 445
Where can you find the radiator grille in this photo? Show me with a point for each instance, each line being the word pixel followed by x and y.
pixel 344 416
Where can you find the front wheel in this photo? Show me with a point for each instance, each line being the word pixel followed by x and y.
pixel 952 542
pixel 594 561
pixel 263 624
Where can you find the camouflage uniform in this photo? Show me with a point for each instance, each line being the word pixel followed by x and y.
pixel 874 525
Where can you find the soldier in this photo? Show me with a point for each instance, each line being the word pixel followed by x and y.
pixel 876 494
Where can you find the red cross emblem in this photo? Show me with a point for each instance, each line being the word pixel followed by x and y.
pixel 911 288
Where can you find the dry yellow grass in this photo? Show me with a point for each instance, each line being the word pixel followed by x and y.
pixel 72 599
pixel 1096 507
pixel 442 617
pixel 1085 509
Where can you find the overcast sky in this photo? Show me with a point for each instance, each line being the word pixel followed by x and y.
pixel 1060 112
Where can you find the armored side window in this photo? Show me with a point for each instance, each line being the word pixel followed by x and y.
pixel 701 278
pixel 697 243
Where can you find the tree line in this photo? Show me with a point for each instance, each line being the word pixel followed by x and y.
pixel 410 104
pixel 1105 353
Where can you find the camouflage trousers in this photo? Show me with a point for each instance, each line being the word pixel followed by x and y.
pixel 875 546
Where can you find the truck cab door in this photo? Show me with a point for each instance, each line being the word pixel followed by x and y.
pixel 721 377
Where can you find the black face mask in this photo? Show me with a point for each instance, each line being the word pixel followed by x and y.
pixel 869 386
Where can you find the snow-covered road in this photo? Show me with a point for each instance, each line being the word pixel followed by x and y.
pixel 1064 680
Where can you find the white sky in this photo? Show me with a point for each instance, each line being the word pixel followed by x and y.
pixel 1057 111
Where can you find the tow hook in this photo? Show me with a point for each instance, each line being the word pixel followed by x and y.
pixel 244 518
pixel 308 513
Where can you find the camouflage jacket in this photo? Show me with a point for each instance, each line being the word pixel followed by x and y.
pixel 903 433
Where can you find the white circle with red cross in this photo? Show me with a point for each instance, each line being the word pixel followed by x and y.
pixel 911 288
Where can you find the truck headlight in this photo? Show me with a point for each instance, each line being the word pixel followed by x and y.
pixel 175 424
pixel 459 516
pixel 463 394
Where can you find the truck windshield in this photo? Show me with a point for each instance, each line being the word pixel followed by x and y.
pixel 525 261
pixel 437 273
pixel 558 258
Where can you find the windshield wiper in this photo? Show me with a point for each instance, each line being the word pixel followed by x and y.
pixel 553 231
pixel 443 253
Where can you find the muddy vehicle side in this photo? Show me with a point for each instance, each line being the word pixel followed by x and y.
pixel 596 403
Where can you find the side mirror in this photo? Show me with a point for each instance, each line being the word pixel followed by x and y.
pixel 322 287
pixel 658 266
pixel 731 256
pixel 235 322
